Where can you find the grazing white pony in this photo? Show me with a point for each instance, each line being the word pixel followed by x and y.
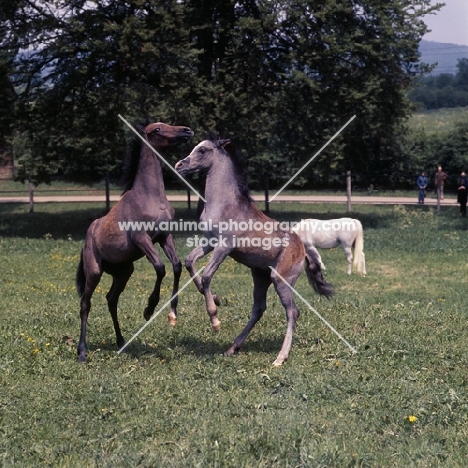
pixel 331 233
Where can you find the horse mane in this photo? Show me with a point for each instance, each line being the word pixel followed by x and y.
pixel 132 159
pixel 240 168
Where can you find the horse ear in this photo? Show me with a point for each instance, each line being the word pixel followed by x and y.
pixel 139 128
pixel 225 143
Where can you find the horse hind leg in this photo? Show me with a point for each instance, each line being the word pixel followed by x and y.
pixel 349 258
pixel 120 279
pixel 262 282
pixel 292 314
pixel 88 276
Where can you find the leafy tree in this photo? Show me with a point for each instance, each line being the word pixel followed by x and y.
pixel 444 90
pixel 427 151
pixel 279 76
pixel 461 77
pixel 7 92
pixel 96 62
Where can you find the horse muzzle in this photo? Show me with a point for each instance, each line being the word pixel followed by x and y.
pixel 183 166
pixel 187 133
pixel 183 135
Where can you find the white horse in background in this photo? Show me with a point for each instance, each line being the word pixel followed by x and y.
pixel 331 233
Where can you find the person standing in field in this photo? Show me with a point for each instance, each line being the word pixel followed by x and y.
pixel 462 194
pixel 439 180
pixel 422 184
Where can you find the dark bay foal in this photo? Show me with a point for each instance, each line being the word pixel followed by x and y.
pixel 110 249
pixel 272 254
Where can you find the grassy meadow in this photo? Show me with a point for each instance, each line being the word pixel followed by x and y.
pixel 174 400
pixel 437 121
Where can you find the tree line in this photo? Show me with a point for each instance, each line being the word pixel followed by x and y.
pixel 277 76
pixel 444 90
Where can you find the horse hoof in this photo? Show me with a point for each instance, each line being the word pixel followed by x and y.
pixel 216 326
pixel 279 361
pixel 230 352
pixel 82 359
pixel 172 320
pixel 147 315
pixel 216 300
pixel 124 350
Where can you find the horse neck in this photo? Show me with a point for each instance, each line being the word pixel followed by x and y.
pixel 149 177
pixel 221 183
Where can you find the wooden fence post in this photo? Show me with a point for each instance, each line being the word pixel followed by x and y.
pixel 107 192
pixel 31 197
pixel 266 185
pixel 348 191
pixel 438 200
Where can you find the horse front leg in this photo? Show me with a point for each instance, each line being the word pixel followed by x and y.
pixel 168 247
pixel 311 250
pixel 145 244
pixel 195 255
pixel 218 256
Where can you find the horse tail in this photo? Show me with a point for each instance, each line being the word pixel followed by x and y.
pixel 358 261
pixel 80 279
pixel 315 277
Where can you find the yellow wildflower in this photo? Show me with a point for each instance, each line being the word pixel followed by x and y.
pixel 412 419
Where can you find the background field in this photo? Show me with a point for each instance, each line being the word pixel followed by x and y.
pixel 438 121
pixel 174 400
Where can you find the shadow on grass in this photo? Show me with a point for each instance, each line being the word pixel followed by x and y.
pixel 55 221
pixel 60 221
pixel 191 346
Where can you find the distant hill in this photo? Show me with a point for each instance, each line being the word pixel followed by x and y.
pixel 444 54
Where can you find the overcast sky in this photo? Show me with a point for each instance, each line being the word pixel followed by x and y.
pixel 450 24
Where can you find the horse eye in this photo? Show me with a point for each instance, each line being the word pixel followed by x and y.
pixel 202 150
pixel 157 130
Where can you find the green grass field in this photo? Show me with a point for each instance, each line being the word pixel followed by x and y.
pixel 438 120
pixel 174 400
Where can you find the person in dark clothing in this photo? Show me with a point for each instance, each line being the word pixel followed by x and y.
pixel 439 181
pixel 422 184
pixel 462 193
